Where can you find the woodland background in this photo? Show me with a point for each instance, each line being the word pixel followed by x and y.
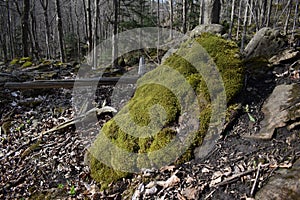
pixel 68 29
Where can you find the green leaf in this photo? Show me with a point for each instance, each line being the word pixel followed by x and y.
pixel 72 190
pixel 251 117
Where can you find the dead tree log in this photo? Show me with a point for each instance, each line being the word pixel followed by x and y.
pixel 69 83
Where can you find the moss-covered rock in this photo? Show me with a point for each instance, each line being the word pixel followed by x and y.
pixel 139 135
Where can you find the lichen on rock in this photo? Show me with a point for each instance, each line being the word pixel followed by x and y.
pixel 139 135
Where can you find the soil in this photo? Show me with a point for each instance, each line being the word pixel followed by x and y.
pixel 53 166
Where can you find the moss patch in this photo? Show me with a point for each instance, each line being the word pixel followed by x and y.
pixel 128 129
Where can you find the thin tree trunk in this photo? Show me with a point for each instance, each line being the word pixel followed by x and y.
pixel 25 27
pixel 171 18
pixel 89 25
pixel 45 4
pixel 231 19
pixel 184 10
pixel 11 40
pixel 269 13
pixel 250 16
pixel 35 42
pixel 201 14
pixel 95 34
pixel 239 21
pixel 244 35
pixel 296 17
pixel 158 32
pixel 60 31
pixel 115 35
pixel 285 29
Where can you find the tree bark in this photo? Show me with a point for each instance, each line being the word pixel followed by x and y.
pixel 296 17
pixel 269 13
pixel 244 35
pixel 60 31
pixel 212 11
pixel 231 19
pixel 239 21
pixel 25 27
pixel 184 13
pixel 44 4
pixel 285 29
pixel 115 35
pixel 171 18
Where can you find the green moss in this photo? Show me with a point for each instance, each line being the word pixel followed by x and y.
pixel 15 61
pixel 27 64
pixel 134 128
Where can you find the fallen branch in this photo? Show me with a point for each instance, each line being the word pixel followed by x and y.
pixel 232 178
pixel 70 83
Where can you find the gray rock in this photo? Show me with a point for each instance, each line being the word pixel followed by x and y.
pixel 288 55
pixel 284 185
pixel 207 28
pixel 265 43
pixel 282 106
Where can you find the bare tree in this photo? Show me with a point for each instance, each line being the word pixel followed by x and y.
pixel 25 27
pixel 171 3
pixel 184 13
pixel 289 6
pixel 60 31
pixel 115 34
pixel 231 19
pixel 269 13
pixel 212 10
pixel 244 35
pixel 296 17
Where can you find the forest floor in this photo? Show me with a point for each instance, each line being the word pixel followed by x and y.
pixel 52 166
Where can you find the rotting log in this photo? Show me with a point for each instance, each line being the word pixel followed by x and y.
pixel 44 84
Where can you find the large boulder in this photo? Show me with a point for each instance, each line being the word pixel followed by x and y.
pixel 284 185
pixel 207 28
pixel 149 147
pixel 265 43
pixel 282 108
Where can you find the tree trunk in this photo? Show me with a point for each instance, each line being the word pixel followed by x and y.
pixel 115 35
pixel 9 31
pixel 184 10
pixel 25 27
pixel 269 13
pixel 231 19
pixel 212 11
pixel 285 29
pixel 244 35
pixel 296 17
pixel 171 18
pixel 201 14
pixel 44 4
pixel 89 25
pixel 239 21
pixel 95 34
pixel 34 40
pixel 60 31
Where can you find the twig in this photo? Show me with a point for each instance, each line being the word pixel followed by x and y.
pixel 210 194
pixel 230 179
pixel 255 182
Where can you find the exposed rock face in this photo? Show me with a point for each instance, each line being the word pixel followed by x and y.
pixel 207 28
pixel 265 43
pixel 281 109
pixel 284 185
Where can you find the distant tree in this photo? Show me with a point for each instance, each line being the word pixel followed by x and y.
pixel 212 10
pixel 25 27
pixel 60 30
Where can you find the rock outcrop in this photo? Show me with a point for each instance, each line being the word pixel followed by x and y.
pixel 156 124
pixel 265 43
pixel 281 109
pixel 284 185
